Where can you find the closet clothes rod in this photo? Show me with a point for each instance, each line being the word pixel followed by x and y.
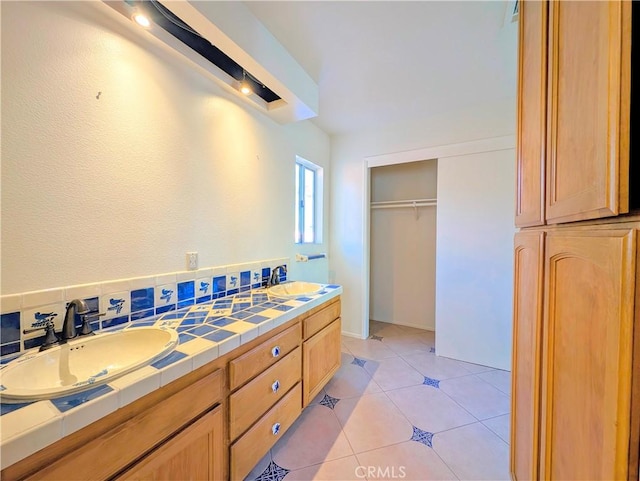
pixel 392 204
pixel 395 204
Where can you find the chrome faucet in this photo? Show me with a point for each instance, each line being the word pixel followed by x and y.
pixel 75 311
pixel 274 280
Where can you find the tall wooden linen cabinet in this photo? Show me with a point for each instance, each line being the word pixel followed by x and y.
pixel 576 352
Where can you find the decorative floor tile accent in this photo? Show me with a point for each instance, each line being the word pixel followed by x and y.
pixel 423 437
pixel 358 362
pixel 273 473
pixel 431 382
pixel 329 401
pixel 375 338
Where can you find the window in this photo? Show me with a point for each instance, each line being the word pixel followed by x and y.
pixel 308 205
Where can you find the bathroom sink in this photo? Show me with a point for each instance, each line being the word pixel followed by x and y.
pixel 83 363
pixel 295 289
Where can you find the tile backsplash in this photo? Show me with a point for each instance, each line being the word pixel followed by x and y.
pixel 123 300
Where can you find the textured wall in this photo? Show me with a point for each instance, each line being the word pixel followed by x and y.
pixel 117 157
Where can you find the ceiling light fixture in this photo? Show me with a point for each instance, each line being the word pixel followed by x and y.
pixel 245 87
pixel 141 19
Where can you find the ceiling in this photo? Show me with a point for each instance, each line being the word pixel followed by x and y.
pixel 379 63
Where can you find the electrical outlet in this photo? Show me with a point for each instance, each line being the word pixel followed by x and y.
pixel 192 261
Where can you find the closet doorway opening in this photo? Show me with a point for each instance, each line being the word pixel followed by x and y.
pixel 402 240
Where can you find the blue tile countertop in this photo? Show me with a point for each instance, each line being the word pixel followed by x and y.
pixel 206 331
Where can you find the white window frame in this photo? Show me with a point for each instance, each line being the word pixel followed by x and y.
pixel 318 171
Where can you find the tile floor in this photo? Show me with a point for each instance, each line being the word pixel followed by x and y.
pixel 395 410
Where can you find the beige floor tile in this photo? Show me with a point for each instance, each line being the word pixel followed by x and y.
pixel 406 345
pixel 350 380
pixel 318 397
pixel 436 367
pixel 499 379
pixel 393 373
pixel 315 437
pixel 372 421
pixel 368 348
pixel 473 452
pixel 501 425
pixel 384 329
pixel 343 345
pixel 475 368
pixel 429 408
pixel 477 396
pixel 260 467
pixel 409 461
pixel 414 331
pixel 343 469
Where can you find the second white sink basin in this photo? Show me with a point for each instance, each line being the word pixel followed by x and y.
pixel 295 289
pixel 83 363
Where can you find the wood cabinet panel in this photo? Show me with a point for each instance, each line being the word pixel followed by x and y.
pixel 252 400
pixel 195 453
pixel 320 319
pixel 527 339
pixel 123 444
pixel 321 359
pixel 590 281
pixel 532 102
pixel 588 110
pixel 253 445
pixel 262 356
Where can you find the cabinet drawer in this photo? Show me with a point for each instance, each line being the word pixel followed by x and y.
pixel 261 357
pixel 250 448
pixel 320 319
pixel 251 401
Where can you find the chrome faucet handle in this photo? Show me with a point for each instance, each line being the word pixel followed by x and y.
pixel 85 329
pixel 50 338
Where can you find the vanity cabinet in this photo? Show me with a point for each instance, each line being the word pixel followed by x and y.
pixel 214 423
pixel 321 349
pixel 197 452
pixel 162 438
pixel 573 111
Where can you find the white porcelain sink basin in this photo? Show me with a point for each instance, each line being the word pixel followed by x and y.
pixel 295 289
pixel 83 363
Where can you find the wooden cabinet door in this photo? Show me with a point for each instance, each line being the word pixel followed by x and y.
pixel 588 113
pixel 196 453
pixel 320 360
pixel 590 279
pixel 532 104
pixel 526 366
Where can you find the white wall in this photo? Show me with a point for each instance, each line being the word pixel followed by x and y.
pixel 348 176
pixel 474 260
pixel 163 162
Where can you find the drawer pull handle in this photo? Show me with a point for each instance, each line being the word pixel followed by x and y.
pixel 275 386
pixel 275 429
pixel 275 352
